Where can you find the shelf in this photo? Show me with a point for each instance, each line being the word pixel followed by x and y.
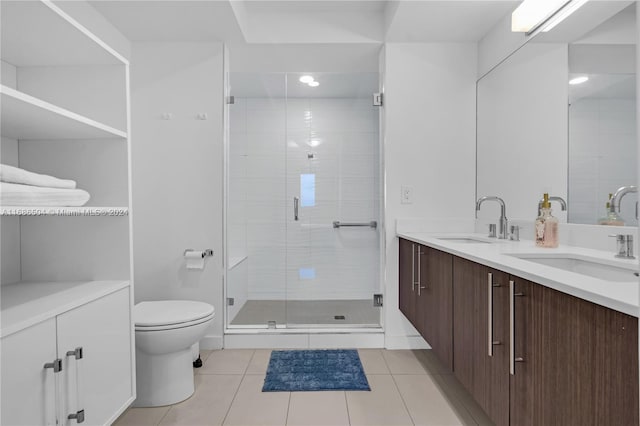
pixel 63 211
pixel 26 117
pixel 24 304
pixel 64 43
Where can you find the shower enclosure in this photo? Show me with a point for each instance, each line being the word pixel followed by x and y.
pixel 303 201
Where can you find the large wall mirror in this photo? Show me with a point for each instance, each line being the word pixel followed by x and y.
pixel 538 133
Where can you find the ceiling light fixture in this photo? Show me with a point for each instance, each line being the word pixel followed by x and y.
pixel 306 79
pixel 578 80
pixel 562 14
pixel 542 15
pixel 313 84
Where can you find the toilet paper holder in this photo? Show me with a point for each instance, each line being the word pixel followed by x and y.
pixel 205 253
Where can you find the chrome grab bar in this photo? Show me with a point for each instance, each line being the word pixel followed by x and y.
pixel 338 224
pixel 296 204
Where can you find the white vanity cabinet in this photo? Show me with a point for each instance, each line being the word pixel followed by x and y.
pixel 102 329
pixel 66 273
pixel 28 391
pixel 76 363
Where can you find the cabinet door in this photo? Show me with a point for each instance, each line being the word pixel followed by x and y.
pixel 497 404
pixel 467 280
pixel 29 389
pixel 101 382
pixel 480 336
pixel 436 302
pixel 406 277
pixel 615 360
pixel 579 361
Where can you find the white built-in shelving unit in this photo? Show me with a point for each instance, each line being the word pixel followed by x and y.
pixel 67 278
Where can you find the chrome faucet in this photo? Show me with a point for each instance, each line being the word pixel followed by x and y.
pixel 563 204
pixel 503 224
pixel 616 199
pixel 624 248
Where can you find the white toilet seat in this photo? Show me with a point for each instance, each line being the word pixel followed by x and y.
pixel 144 328
pixel 169 314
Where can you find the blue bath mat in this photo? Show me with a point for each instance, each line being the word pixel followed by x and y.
pixel 315 370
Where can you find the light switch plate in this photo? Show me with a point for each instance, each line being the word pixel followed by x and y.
pixel 406 195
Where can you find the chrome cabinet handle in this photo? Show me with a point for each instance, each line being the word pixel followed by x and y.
pixel 420 286
pixel 413 267
pixel 512 333
pixel 419 283
pixel 296 203
pixel 490 341
pixel 56 366
pixel 78 355
pixel 490 314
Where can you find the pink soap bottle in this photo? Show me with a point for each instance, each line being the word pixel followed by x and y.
pixel 546 226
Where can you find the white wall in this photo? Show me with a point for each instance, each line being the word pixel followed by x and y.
pixel 10 225
pixel 95 22
pixel 522 131
pixel 316 57
pixel 178 172
pixel 429 144
pixel 498 44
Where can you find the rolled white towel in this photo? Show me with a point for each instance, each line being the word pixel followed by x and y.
pixel 17 175
pixel 13 194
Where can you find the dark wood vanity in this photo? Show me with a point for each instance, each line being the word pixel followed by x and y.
pixel 528 354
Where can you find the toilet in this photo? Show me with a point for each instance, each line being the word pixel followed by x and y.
pixel 165 332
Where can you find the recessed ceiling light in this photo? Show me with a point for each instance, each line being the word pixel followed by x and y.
pixel 306 79
pixel 314 84
pixel 578 80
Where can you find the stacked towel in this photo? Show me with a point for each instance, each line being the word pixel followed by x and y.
pixel 12 174
pixel 12 194
pixel 19 187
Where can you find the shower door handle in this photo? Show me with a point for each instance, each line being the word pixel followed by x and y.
pixel 296 203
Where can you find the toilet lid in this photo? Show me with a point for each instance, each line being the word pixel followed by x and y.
pixel 169 312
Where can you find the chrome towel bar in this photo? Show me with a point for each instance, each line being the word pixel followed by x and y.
pixel 338 224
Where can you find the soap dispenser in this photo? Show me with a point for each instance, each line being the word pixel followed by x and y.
pixel 546 226
pixel 610 218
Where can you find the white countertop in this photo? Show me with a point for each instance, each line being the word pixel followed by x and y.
pixel 24 304
pixel 620 296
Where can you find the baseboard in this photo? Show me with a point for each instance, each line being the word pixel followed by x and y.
pixel 211 342
pixel 304 341
pixel 266 341
pixel 405 342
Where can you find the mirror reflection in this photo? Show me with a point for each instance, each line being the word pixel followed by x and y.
pixel 559 116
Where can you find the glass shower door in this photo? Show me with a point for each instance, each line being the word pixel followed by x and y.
pixel 333 201
pixel 256 210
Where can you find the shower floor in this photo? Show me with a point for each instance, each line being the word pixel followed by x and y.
pixel 309 313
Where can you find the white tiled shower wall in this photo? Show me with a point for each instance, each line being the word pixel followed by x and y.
pixel 603 153
pixel 273 142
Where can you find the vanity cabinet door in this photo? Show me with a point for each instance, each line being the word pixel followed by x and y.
pixel 480 340
pixel 577 362
pixel 407 275
pixel 100 383
pixel 28 388
pixel 435 304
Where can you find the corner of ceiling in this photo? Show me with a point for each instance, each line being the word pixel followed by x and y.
pixel 239 9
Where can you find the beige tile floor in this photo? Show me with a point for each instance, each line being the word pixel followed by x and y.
pixel 407 388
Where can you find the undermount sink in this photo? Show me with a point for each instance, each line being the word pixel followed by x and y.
pixel 464 240
pixel 589 267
